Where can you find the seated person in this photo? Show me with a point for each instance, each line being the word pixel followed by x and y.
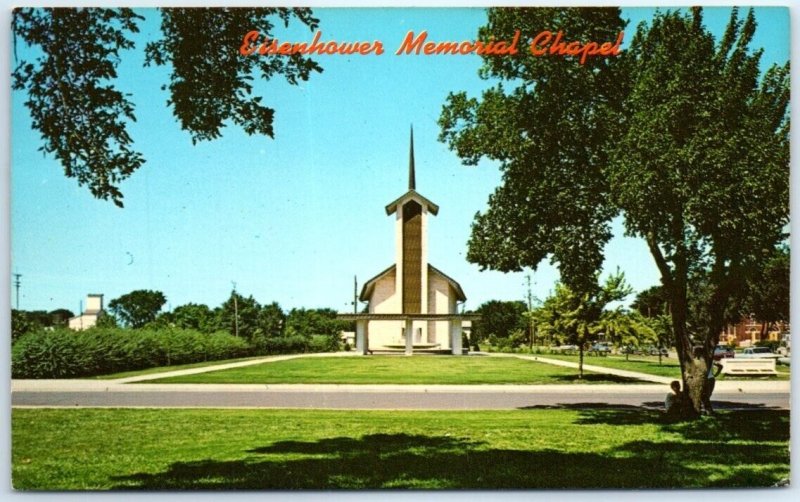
pixel 672 403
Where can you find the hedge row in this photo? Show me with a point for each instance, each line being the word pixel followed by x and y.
pixel 67 354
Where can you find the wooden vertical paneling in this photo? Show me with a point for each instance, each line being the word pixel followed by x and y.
pixel 412 258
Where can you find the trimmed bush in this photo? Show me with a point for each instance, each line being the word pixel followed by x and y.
pixel 64 353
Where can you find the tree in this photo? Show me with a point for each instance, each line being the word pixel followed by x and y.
pixel 554 199
pixel 239 316
pixel 138 307
pixel 701 170
pixel 23 322
pixel 626 328
pixel 194 316
pixel 82 115
pixel 60 317
pixel 499 319
pixel 768 292
pixel 679 136
pixel 320 327
pixel 651 302
pixel 578 318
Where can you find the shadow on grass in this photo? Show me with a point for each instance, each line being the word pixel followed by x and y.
pixel 422 461
pixel 595 377
pixel 751 422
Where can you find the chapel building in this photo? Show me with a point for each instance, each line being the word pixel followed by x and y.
pixel 412 305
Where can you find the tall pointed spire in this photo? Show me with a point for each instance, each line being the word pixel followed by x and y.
pixel 412 182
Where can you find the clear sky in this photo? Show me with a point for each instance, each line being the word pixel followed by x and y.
pixel 292 219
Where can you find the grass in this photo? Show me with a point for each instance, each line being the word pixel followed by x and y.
pixel 162 369
pixel 398 370
pixel 669 367
pixel 644 364
pixel 567 447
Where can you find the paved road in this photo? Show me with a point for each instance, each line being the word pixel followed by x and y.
pixel 424 399
pixel 130 392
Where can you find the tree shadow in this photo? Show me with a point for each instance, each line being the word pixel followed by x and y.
pixel 596 378
pixel 381 461
pixel 751 422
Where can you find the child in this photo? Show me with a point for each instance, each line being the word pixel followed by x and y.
pixel 672 403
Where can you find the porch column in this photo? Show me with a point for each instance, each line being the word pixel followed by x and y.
pixel 455 337
pixel 409 337
pixel 362 336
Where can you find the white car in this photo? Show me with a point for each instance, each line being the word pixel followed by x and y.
pixel 759 353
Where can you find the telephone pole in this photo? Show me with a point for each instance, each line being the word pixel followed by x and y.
pixel 235 311
pixel 355 294
pixel 531 326
pixel 17 284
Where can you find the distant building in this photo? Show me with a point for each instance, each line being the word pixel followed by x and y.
pixel 750 330
pixel 93 310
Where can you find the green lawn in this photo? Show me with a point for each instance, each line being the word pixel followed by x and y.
pixel 644 364
pixel 398 370
pixel 669 367
pixel 162 369
pixel 612 447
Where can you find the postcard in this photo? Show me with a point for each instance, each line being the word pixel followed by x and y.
pixel 453 248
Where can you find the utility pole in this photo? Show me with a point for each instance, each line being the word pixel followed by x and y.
pixel 235 311
pixel 17 284
pixel 355 294
pixel 531 325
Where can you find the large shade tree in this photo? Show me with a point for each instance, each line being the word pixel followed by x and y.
pixel 681 136
pixel 83 114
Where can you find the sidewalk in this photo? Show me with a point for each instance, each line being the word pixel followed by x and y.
pixel 600 369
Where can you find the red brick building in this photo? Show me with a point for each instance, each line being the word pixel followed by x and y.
pixel 750 330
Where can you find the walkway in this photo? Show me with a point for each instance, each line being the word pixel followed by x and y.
pixel 599 369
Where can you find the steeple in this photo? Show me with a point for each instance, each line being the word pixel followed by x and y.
pixel 412 187
pixel 412 182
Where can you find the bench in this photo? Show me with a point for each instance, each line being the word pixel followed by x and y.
pixel 748 366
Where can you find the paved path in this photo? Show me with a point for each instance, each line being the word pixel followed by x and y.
pixel 130 392
pixel 599 369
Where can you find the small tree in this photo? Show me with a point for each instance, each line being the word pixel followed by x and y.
pixel 578 317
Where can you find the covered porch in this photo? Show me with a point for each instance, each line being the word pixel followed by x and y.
pixel 455 323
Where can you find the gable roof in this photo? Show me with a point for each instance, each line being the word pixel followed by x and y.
pixel 453 283
pixel 369 286
pixel 412 195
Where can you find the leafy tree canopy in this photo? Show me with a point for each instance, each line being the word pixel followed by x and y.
pixel 137 308
pixel 680 135
pixel 83 115
pixel 499 318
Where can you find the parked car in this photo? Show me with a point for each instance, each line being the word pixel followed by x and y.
pixel 723 352
pixel 601 348
pixel 759 353
pixel 653 351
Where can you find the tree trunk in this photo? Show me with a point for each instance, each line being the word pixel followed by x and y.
pixel 694 386
pixel 692 369
pixel 580 358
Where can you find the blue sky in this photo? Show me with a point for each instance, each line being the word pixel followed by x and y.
pixel 292 219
